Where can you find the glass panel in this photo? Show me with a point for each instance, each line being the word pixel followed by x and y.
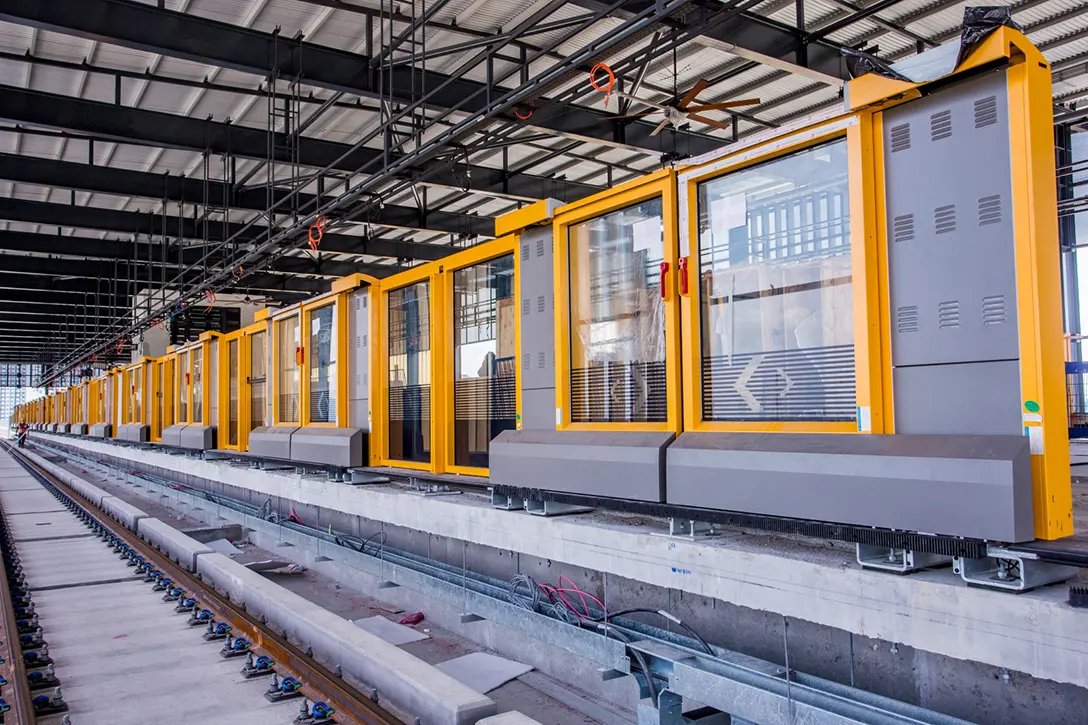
pixel 198 386
pixel 167 385
pixel 160 373
pixel 484 389
pixel 232 393
pixel 410 373
pixel 183 387
pixel 287 335
pixel 137 395
pixel 776 304
pixel 126 404
pixel 258 384
pixel 323 365
pixel 617 317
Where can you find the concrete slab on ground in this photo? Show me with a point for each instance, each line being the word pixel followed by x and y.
pixel 29 501
pixel 51 525
pixel 483 671
pixel 391 632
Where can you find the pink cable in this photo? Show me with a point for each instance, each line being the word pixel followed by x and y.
pixel 558 592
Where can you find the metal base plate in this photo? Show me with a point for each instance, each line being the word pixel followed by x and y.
pixel 1011 571
pixel 900 561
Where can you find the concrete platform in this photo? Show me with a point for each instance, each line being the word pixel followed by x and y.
pixel 763 577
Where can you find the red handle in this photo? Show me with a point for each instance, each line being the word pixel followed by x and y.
pixel 683 272
pixel 661 279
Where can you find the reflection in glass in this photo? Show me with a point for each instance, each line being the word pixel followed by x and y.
pixel 410 373
pixel 322 365
pixel 484 388
pixel 137 395
pixel 183 387
pixel 232 393
pixel 160 399
pixel 198 386
pixel 287 382
pixel 258 380
pixel 776 305
pixel 617 317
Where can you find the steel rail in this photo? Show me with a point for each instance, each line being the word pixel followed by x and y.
pixel 22 707
pixel 318 682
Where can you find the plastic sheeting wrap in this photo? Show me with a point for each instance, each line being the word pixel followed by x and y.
pixel 978 24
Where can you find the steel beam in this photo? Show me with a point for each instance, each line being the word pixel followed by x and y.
pixel 79 284
pixel 181 35
pixel 8 306
pixel 152 226
pixel 169 130
pixel 180 189
pixel 757 38
pixel 124 273
pixel 133 258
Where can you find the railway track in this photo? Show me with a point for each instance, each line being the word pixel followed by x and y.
pixel 111 630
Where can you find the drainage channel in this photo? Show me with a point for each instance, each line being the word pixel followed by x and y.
pixel 110 631
pixel 669 666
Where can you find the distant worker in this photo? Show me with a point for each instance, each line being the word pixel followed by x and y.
pixel 21 432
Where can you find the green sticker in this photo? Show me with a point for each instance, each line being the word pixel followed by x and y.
pixel 1031 406
pixel 519 416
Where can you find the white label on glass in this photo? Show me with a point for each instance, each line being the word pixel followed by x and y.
pixel 728 213
pixel 558 417
pixel 647 234
pixel 297 333
pixel 315 323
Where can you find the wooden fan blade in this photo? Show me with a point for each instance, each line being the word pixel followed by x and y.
pixel 724 105
pixel 698 88
pixel 643 102
pixel 659 127
pixel 709 121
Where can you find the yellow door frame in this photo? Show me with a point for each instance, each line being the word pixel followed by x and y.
pixel 864 277
pixel 658 184
pixel 339 321
pixel 274 340
pixel 485 252
pixel 237 338
pixel 423 273
pixel 246 397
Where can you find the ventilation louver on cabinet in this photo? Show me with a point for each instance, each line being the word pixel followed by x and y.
pixel 944 218
pixel 903 228
pixel 907 318
pixel 985 111
pixel 948 315
pixel 940 125
pixel 994 310
pixel 989 210
pixel 901 137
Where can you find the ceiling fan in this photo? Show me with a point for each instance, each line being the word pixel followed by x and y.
pixel 683 111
